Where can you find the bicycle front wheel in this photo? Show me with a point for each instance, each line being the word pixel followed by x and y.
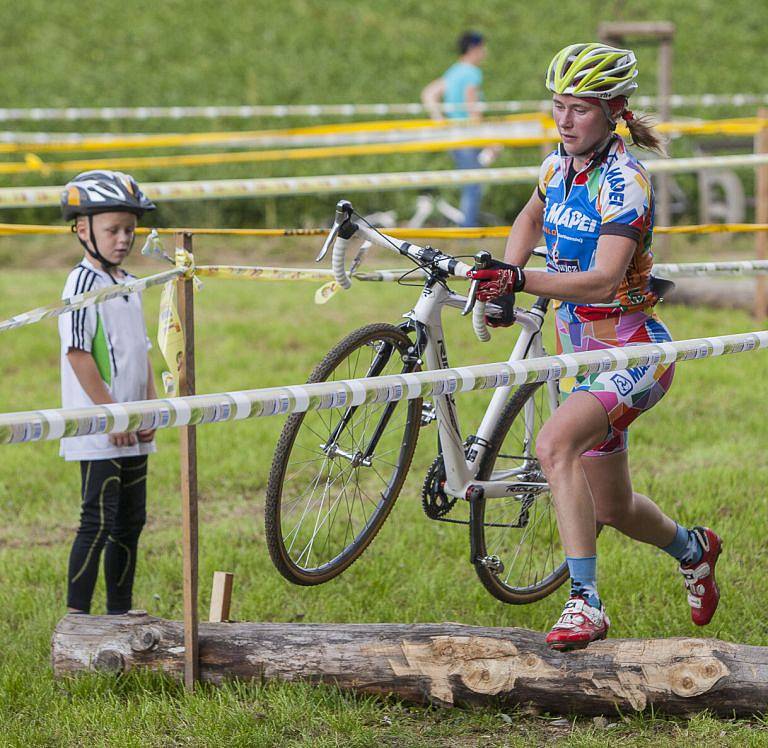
pixel 519 558
pixel 336 474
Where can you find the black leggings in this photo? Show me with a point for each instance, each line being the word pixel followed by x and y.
pixel 114 511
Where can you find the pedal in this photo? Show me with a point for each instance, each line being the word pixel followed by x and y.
pixel 492 563
pixel 428 414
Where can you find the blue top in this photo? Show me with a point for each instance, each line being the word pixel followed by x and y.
pixel 611 194
pixel 457 79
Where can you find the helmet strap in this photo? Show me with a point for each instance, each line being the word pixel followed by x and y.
pixel 105 263
pixel 612 109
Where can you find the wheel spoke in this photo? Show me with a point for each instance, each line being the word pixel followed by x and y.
pixel 324 507
pixel 530 554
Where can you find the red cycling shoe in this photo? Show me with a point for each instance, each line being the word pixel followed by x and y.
pixel 703 592
pixel 579 625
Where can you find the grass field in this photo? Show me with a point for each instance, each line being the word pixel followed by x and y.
pixel 700 454
pixel 306 51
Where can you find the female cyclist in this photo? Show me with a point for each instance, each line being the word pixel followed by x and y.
pixel 594 204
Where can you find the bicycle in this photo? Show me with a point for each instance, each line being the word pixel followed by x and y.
pixel 432 209
pixel 336 474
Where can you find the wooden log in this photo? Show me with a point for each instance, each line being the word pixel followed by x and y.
pixel 442 663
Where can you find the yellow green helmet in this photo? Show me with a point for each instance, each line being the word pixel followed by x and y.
pixel 593 70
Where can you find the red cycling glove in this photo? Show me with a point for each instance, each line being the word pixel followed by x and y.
pixel 498 280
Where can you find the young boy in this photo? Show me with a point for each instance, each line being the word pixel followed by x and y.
pixel 104 359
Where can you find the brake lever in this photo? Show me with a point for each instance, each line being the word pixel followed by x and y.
pixel 482 260
pixel 343 213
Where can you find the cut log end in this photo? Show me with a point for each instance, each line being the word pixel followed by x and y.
pixel 443 664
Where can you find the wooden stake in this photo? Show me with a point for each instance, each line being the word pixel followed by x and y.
pixel 663 34
pixel 221 596
pixel 761 216
pixel 664 202
pixel 188 446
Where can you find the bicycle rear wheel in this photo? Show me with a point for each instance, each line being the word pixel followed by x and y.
pixel 336 474
pixel 519 558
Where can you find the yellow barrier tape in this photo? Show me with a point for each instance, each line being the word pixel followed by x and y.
pixel 481 232
pixel 169 140
pixel 734 126
pixel 255 272
pixel 33 163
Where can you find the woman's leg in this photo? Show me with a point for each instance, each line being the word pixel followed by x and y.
pixel 577 425
pixel 617 505
pixel 635 515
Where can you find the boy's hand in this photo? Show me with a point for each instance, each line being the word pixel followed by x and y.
pixel 147 435
pixel 123 439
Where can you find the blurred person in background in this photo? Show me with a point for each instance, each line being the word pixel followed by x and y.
pixel 456 95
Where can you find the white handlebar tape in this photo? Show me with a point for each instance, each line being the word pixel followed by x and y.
pixel 478 322
pixel 337 263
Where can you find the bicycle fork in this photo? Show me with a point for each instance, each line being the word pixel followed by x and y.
pixel 364 456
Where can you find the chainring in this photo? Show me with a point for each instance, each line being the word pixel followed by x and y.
pixel 435 502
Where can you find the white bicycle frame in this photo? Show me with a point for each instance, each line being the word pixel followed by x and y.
pixel 460 463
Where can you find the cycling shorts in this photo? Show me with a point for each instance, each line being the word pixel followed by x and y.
pixel 624 394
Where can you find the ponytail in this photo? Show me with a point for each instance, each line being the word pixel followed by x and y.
pixel 643 134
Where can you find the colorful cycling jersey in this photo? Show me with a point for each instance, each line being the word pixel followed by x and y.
pixel 611 194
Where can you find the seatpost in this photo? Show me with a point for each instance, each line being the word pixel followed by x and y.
pixel 482 260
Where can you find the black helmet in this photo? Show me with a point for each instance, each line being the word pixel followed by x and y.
pixel 102 191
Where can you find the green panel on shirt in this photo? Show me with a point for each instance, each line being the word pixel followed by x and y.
pixel 100 351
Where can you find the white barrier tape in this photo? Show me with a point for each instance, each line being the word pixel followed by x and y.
pixel 82 300
pixel 693 269
pixel 24 197
pixel 227 406
pixel 345 110
pixel 20 197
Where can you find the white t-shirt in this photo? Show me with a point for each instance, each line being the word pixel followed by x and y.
pixel 115 334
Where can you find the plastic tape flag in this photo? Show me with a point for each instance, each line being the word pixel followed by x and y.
pixel 153 247
pixel 326 292
pixel 170 338
pixel 228 406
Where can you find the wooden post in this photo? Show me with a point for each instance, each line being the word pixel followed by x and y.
pixel 221 596
pixel 188 447
pixel 761 216
pixel 664 200
pixel 663 34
